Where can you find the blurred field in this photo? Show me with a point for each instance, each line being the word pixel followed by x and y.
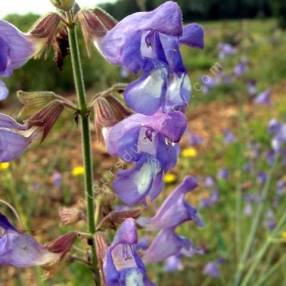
pixel 29 185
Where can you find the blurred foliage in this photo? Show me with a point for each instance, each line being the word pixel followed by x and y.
pixel 279 11
pixel 198 9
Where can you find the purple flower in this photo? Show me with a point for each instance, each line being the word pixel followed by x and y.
pixel 21 250
pixel 228 136
pixel 261 178
pixel 209 182
pixel 15 51
pixel 195 139
pixel 226 50
pixel 149 42
pixel 280 187
pixel 173 264
pixel 175 210
pixel 149 142
pixel 211 200
pixel 274 126
pixel 263 98
pixel 240 68
pixel 270 221
pixel 279 140
pixel 12 140
pixel 248 210
pixel 57 179
pixel 211 269
pixel 167 243
pixel 208 83
pixel 122 265
pixel 223 174
pixel 251 87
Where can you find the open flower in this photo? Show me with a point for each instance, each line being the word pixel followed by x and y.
pixel 149 142
pixel 15 51
pixel 167 243
pixel 122 266
pixel 175 210
pixel 149 42
pixel 12 140
pixel 21 250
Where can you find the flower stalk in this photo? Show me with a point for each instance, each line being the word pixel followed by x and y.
pixel 86 139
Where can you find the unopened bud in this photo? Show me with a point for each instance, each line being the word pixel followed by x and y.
pixel 94 24
pixel 44 33
pixel 109 111
pixel 65 5
pixel 47 117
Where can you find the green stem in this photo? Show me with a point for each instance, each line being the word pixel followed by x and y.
pixel 86 141
pixel 262 251
pixel 254 225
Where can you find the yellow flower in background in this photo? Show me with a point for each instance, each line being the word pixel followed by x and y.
pixel 169 178
pixel 189 153
pixel 4 166
pixel 78 171
pixel 283 235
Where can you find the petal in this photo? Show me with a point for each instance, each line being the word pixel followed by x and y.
pixel 10 123
pixel 172 53
pixel 145 95
pixel 175 210
pixel 166 244
pixel 166 19
pixel 144 179
pixel 178 92
pixel 5 224
pixel 12 145
pixel 23 251
pixel 3 91
pixel 4 55
pixel 121 140
pixel 167 153
pixel 21 50
pixel 193 36
pixel 127 233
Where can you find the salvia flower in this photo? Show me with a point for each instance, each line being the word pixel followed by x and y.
pixel 149 42
pixel 223 174
pixel 122 265
pixel 212 269
pixel 151 143
pixel 15 51
pixel 251 88
pixel 225 50
pixel 175 210
pixel 263 98
pixel 21 250
pixel 228 136
pixel 167 243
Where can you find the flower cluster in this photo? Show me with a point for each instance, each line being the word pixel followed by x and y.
pixel 149 43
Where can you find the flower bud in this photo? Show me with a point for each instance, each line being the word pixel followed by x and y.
pixel 64 5
pixel 108 111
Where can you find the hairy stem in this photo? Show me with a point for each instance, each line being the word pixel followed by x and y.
pixel 86 141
